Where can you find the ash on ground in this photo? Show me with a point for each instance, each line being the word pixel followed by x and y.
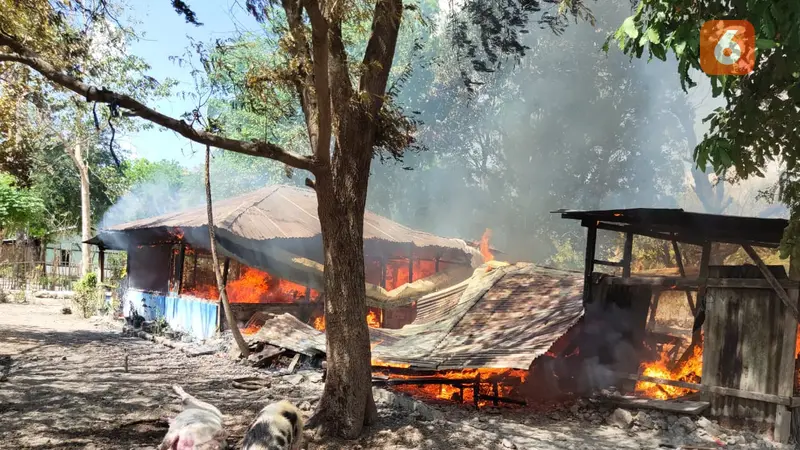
pixel 66 386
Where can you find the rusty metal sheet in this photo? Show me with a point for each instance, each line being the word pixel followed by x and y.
pixel 282 211
pixel 505 318
pixel 286 331
pixel 516 321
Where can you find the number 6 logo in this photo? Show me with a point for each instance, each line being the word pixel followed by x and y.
pixel 727 50
pixel 727 47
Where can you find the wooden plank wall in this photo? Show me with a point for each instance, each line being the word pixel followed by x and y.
pixel 749 345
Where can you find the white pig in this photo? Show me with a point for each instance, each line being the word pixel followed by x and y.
pixel 197 427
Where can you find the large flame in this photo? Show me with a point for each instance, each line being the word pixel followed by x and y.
pixel 397 272
pixel 255 286
pixel 485 252
pixel 689 371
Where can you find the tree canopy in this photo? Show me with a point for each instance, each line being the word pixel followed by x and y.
pixel 758 124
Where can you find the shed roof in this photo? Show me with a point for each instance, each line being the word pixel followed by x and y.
pixel 505 318
pixel 685 226
pixel 275 212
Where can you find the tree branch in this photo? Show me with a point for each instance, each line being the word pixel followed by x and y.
pixel 319 47
pixel 338 71
pixel 92 94
pixel 299 49
pixel 380 51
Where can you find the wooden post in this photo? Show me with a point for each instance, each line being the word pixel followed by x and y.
pixel 627 255
pixel 653 310
pixel 181 257
pixel 682 271
pixel 411 262
pixel 194 269
pixel 705 258
pixel 220 309
pixel 786 374
pixel 436 263
pixel 588 265
pixel 101 256
pixel 383 272
pixel 127 262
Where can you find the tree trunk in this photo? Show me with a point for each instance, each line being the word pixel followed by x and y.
pixel 347 403
pixel 237 335
pixel 86 212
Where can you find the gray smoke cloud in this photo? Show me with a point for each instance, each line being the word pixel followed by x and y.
pixel 568 127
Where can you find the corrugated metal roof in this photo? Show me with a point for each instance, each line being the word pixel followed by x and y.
pixel 505 318
pixel 281 211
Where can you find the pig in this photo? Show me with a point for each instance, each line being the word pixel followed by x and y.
pixel 197 427
pixel 279 426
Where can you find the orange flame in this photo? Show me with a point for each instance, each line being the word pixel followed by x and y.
pixel 690 371
pixel 797 342
pixel 178 233
pixel 485 252
pixel 397 272
pixel 373 321
pixel 507 380
pixel 255 286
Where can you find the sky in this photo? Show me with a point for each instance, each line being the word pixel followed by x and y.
pixel 166 34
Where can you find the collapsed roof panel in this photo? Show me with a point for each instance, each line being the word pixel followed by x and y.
pixel 505 318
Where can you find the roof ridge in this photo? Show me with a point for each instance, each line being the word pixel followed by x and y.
pixel 271 189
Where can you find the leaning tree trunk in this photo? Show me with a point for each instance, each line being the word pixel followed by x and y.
pixel 347 403
pixel 86 212
pixel 237 335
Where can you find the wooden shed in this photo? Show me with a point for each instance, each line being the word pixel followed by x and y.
pixel 744 317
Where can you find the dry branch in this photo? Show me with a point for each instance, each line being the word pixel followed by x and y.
pixel 254 148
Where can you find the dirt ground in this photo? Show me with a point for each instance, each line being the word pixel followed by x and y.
pixel 66 388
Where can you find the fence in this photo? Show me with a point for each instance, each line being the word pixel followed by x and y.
pixel 34 276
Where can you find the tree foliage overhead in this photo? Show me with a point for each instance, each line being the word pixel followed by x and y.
pixel 758 125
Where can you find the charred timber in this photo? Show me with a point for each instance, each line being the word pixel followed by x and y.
pixel 422 381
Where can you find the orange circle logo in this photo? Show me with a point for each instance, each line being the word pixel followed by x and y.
pixel 727 47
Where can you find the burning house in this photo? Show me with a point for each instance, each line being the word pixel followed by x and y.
pixel 504 336
pixel 272 248
pixel 711 337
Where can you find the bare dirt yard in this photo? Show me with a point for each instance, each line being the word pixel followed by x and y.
pixel 64 386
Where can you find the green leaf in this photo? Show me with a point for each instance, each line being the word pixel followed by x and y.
pixel 768 25
pixel 659 51
pixel 629 28
pixel 765 44
pixel 653 35
pixel 680 47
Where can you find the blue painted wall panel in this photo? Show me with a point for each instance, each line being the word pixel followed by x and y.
pixel 194 317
